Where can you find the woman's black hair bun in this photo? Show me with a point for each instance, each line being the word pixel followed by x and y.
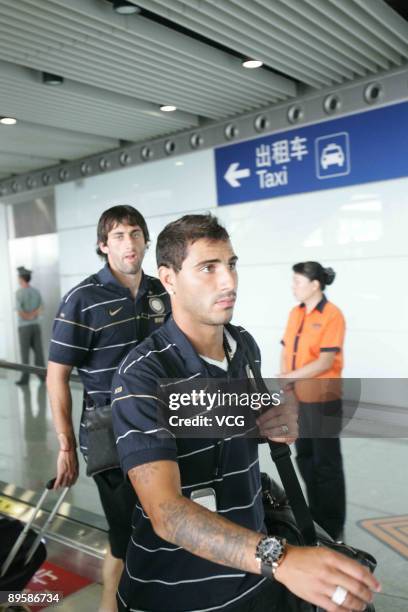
pixel 330 275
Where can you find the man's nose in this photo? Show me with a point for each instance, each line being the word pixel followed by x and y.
pixel 129 240
pixel 227 279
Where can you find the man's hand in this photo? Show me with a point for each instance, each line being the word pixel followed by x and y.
pixel 61 407
pixel 314 574
pixel 67 468
pixel 280 423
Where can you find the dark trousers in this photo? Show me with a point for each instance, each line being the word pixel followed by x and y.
pixel 118 500
pixel 321 464
pixel 30 338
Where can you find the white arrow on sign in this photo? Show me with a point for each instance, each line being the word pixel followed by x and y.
pixel 233 174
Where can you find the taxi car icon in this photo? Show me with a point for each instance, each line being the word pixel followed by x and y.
pixel 332 155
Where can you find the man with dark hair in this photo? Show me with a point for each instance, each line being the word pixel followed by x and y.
pixel 28 304
pixel 98 322
pixel 211 554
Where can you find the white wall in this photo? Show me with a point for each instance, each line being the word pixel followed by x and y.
pixel 7 307
pixel 360 231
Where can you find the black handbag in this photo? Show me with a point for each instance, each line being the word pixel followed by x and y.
pixel 286 512
pixel 102 454
pixel 280 521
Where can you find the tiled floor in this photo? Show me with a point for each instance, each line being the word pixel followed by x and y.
pixel 377 484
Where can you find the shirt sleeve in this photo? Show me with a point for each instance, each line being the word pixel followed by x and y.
pixel 72 335
pixel 333 334
pixel 19 303
pixel 140 434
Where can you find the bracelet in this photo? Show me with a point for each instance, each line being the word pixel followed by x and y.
pixel 64 441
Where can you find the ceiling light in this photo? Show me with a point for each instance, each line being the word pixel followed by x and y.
pixel 8 121
pixel 85 168
pixel 125 8
pixel 52 79
pixel 196 140
pixel 104 164
pixel 250 63
pixel 31 182
pixel 124 159
pixel 168 108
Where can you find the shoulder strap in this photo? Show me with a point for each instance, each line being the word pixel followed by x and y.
pixel 280 454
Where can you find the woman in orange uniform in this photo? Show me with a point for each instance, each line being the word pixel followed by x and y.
pixel 313 349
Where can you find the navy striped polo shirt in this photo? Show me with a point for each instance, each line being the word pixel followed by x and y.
pixel 160 576
pixel 97 323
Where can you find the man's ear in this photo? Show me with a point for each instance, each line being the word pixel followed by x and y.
pixel 167 277
pixel 103 247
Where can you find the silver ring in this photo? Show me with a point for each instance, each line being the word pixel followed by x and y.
pixel 339 596
pixel 285 429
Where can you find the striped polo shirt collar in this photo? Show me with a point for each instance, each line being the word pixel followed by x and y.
pixel 191 359
pixel 106 276
pixel 193 362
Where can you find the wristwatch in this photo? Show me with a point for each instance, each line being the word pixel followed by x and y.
pixel 270 553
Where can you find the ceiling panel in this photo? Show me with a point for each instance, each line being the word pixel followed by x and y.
pixel 119 69
pixel 12 163
pixel 33 139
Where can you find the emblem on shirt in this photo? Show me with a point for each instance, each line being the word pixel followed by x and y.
pixel 316 325
pixel 157 305
pixel 115 311
pixel 118 390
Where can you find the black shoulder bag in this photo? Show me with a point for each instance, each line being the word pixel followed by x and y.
pixel 102 453
pixel 286 512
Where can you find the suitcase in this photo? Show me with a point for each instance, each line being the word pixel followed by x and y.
pixel 22 550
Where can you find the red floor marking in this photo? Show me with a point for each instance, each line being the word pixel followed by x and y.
pixel 53 578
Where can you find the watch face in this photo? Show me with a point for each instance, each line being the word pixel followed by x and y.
pixel 270 549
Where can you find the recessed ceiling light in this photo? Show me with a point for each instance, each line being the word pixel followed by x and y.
pixel 249 63
pixel 8 121
pixel 179 163
pixel 168 108
pixel 125 8
pixel 52 79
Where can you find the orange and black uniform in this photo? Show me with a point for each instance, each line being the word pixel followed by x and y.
pixel 307 335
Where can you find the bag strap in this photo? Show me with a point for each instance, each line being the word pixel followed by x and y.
pixel 281 456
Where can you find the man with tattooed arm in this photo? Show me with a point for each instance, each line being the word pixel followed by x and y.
pixel 198 542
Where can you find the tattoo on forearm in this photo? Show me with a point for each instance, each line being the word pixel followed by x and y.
pixel 142 474
pixel 207 534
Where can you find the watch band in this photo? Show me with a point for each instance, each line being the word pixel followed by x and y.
pixel 268 564
pixel 266 570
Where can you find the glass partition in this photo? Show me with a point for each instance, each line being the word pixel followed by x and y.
pixel 29 446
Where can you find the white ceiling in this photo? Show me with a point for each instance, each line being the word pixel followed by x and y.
pixel 118 70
